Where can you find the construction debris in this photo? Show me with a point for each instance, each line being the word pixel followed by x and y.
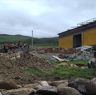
pixel 59 59
pixel 13 64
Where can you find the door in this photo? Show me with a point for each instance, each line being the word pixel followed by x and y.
pixel 77 40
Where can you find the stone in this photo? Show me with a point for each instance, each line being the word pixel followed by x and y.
pixel 20 91
pixel 44 83
pixel 73 66
pixel 91 88
pixel 84 86
pixel 0 93
pixel 28 86
pixel 56 83
pixel 67 91
pixel 62 85
pixel 13 58
pixel 93 80
pixel 8 85
pixel 34 86
pixel 79 84
pixel 47 91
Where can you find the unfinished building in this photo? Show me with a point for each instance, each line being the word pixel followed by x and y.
pixel 83 35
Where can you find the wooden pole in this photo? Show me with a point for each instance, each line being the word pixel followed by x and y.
pixel 32 38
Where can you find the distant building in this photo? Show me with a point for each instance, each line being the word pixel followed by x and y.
pixel 84 35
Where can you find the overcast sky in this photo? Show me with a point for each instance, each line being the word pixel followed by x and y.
pixel 46 17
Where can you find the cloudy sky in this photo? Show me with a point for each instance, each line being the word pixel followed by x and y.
pixel 46 17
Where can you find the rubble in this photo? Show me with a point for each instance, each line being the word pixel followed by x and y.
pixel 67 91
pixel 8 85
pixel 20 91
pixel 59 59
pixel 30 60
pixel 11 69
pixel 77 86
pixel 12 65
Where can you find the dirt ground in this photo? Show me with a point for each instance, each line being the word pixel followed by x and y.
pixel 11 67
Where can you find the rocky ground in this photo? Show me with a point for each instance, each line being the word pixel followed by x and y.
pixel 77 86
pixel 14 80
pixel 12 65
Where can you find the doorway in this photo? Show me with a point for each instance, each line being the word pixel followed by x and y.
pixel 77 40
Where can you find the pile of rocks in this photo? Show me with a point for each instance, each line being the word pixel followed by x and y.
pixel 10 71
pixel 56 50
pixel 64 87
pixel 30 60
pixel 84 86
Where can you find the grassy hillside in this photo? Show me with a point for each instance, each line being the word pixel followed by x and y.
pixel 37 41
pixel 12 38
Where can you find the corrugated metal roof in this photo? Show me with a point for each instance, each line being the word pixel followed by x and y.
pixel 79 29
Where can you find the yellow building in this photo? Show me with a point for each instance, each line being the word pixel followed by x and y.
pixel 84 35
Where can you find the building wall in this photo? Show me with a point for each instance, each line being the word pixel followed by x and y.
pixel 89 37
pixel 66 42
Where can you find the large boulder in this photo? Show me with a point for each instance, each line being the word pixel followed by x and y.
pixel 34 86
pixel 45 89
pixel 0 93
pixel 62 85
pixel 67 91
pixel 79 84
pixel 44 83
pixel 91 87
pixel 20 91
pixel 56 83
pixel 8 85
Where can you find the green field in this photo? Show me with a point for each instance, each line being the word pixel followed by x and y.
pixel 12 38
pixel 62 72
pixel 82 62
pixel 38 42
